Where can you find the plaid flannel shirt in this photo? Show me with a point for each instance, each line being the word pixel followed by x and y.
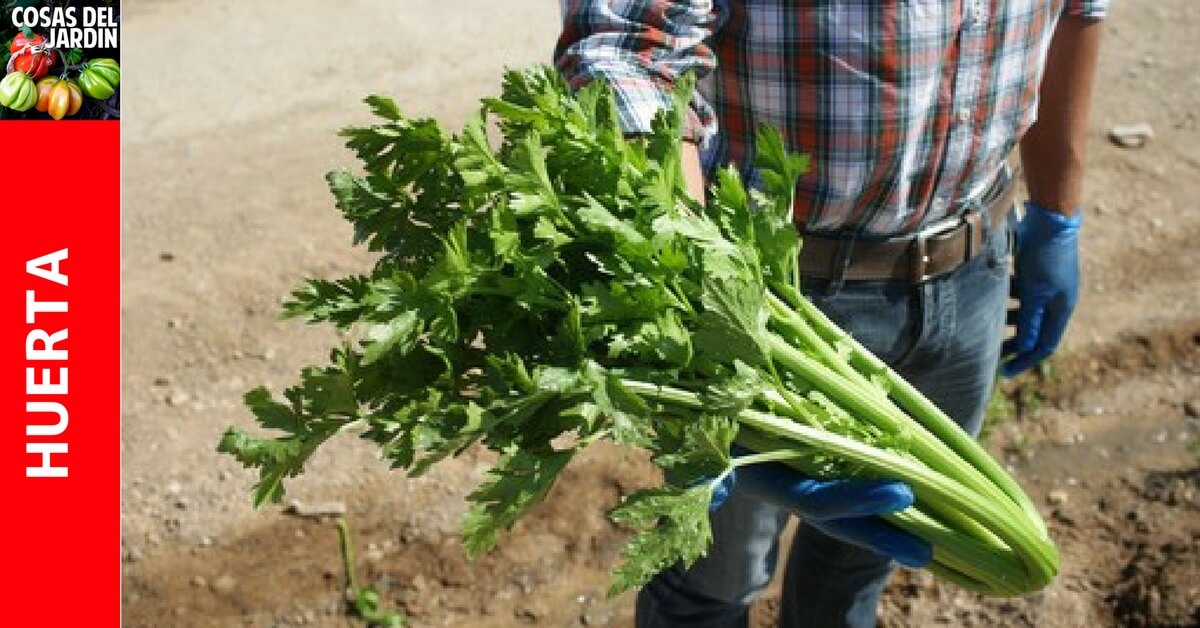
pixel 908 109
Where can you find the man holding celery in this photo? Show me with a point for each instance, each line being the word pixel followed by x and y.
pixel 908 111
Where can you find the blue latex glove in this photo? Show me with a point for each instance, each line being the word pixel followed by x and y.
pixel 1045 283
pixel 843 509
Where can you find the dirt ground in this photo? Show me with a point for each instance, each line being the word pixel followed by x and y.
pixel 230 113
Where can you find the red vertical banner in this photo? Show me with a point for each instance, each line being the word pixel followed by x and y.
pixel 60 339
pixel 60 303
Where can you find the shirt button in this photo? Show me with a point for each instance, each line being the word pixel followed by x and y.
pixel 939 204
pixel 963 115
pixel 976 12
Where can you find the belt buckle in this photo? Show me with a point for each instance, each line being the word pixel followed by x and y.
pixel 919 252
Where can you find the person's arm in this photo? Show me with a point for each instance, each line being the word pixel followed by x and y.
pixel 693 173
pixel 1053 150
pixel 640 48
pixel 1046 277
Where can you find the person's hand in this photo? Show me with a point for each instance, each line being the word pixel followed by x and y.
pixel 1045 284
pixel 844 509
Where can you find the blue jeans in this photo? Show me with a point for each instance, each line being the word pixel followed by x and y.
pixel 942 335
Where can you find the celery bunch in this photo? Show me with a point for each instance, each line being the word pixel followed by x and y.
pixel 562 288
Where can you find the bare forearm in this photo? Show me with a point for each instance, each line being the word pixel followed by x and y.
pixel 693 174
pixel 1053 151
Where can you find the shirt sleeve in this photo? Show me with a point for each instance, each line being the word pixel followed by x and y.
pixel 1086 8
pixel 640 48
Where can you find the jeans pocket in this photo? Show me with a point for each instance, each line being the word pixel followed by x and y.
pixel 884 316
pixel 998 248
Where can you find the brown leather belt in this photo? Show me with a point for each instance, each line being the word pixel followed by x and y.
pixel 935 250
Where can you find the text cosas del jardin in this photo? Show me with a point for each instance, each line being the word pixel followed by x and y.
pixel 70 27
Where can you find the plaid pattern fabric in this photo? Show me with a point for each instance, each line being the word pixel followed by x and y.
pixel 908 109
